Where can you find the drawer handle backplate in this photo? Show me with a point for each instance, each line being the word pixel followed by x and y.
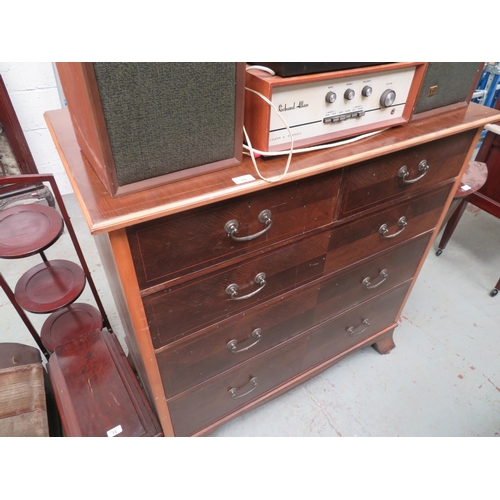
pixel 231 227
pixel 382 275
pixel 351 328
pixel 403 172
pixel 256 334
pixel 232 289
pixel 383 229
pixel 232 391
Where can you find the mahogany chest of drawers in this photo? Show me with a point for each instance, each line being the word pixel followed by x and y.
pixel 232 294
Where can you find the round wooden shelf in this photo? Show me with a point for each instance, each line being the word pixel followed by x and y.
pixel 49 286
pixel 28 229
pixel 68 324
pixel 473 180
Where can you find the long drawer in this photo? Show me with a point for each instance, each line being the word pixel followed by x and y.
pixel 176 312
pixel 231 342
pixel 224 394
pixel 179 245
pixel 373 183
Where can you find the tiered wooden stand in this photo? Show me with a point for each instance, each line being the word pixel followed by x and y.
pixel 53 286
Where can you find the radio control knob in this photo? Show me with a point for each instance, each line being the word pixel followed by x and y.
pixel 331 97
pixel 387 98
pixel 367 91
pixel 349 94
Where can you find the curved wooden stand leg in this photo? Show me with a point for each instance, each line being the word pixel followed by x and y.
pixel 451 225
pixel 385 344
pixel 495 290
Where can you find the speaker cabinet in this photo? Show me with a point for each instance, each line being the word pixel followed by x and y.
pixel 446 86
pixel 144 124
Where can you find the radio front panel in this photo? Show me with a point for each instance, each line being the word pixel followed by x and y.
pixel 329 107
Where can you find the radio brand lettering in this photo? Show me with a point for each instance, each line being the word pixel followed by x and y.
pixel 284 107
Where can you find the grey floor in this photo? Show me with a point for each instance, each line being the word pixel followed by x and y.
pixel 443 378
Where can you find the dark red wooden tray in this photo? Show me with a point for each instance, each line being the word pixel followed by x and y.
pixel 49 286
pixel 28 229
pixel 96 391
pixel 68 324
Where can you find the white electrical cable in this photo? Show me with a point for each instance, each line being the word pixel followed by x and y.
pixel 289 152
pixel 319 147
pixel 249 147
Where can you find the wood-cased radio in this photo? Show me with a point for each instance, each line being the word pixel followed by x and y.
pixel 323 107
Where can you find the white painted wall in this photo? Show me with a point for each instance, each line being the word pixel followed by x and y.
pixel 33 90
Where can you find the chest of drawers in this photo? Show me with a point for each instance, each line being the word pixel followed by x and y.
pixel 231 294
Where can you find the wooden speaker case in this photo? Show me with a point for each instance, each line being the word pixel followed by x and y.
pixel 81 91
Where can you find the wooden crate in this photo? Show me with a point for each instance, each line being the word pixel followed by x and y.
pixel 23 407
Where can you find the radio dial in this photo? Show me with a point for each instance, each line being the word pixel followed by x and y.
pixel 349 94
pixel 330 97
pixel 367 91
pixel 387 98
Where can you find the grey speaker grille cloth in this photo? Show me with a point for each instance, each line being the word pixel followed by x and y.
pixel 454 81
pixel 166 117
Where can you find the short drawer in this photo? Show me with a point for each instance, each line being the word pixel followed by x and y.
pixel 184 309
pixel 384 229
pixel 207 403
pixel 178 245
pixel 350 329
pixel 376 182
pixel 219 348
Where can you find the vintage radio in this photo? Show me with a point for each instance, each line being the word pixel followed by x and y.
pixel 144 124
pixel 446 86
pixel 325 107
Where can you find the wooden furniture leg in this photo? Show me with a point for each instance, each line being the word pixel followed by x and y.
pixel 385 344
pixel 452 224
pixel 495 290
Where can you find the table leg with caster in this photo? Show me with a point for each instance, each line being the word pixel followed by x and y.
pixel 451 225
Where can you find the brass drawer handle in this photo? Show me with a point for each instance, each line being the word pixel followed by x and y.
pixel 232 289
pixel 351 328
pixel 403 172
pixel 231 227
pixel 382 274
pixel 232 391
pixel 383 229
pixel 256 334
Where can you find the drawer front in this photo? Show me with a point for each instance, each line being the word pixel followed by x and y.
pixel 353 327
pixel 187 308
pixel 363 238
pixel 373 183
pixel 360 283
pixel 203 356
pixel 226 345
pixel 222 395
pixel 175 246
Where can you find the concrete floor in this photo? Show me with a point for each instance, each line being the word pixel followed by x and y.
pixel 443 378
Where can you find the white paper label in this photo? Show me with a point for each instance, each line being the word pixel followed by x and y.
pixel 243 178
pixel 116 430
pixel 466 187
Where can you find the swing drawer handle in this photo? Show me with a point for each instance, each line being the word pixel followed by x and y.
pixel 403 172
pixel 383 275
pixel 231 227
pixel 232 289
pixel 384 230
pixel 232 391
pixel 351 329
pixel 256 334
